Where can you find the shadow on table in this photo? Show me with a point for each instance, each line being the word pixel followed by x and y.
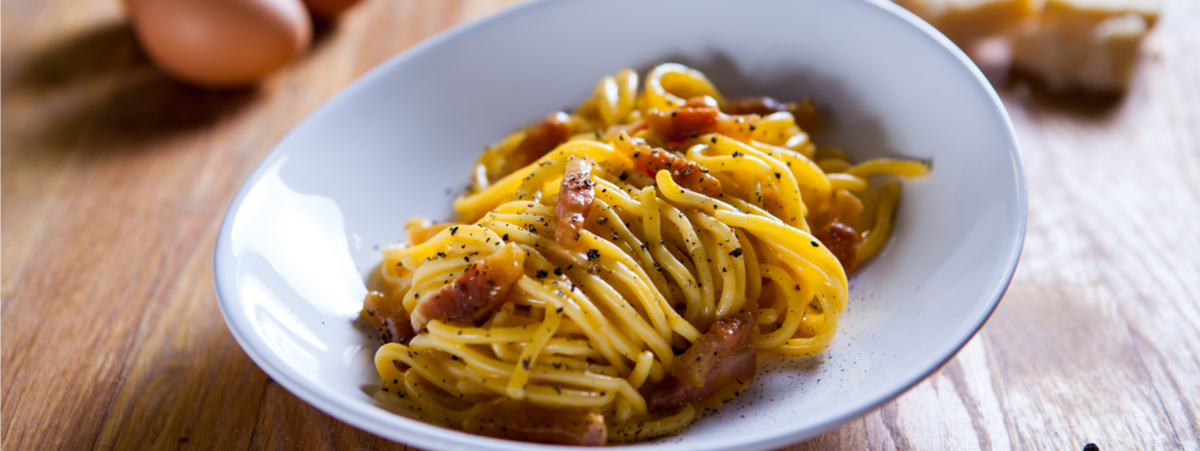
pixel 1080 104
pixel 993 57
pixel 100 87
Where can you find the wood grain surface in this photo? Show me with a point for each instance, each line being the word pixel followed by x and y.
pixel 115 179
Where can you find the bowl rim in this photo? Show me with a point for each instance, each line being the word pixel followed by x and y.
pixel 425 435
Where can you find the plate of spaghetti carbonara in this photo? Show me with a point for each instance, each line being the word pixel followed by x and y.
pixel 615 270
pixel 680 225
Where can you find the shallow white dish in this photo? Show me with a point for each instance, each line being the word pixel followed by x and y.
pixel 304 231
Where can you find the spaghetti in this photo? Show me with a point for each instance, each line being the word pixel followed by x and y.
pixel 617 270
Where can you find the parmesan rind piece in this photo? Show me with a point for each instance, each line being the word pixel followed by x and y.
pixel 1086 44
pixel 965 21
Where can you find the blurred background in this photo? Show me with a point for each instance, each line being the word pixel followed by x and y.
pixel 127 126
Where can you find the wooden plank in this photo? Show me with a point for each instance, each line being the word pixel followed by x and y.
pixel 1065 388
pixel 1096 340
pixel 155 165
pixel 286 422
pixel 1119 197
pixel 39 90
pixel 99 246
pixel 185 380
pixel 114 180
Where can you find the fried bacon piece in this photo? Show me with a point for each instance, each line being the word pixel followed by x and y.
pixel 697 117
pixel 841 238
pixel 475 294
pixel 686 173
pixel 574 200
pixel 722 356
pixel 724 338
pixel 761 106
pixel 542 138
pixel 394 326
pixel 671 393
pixel 804 111
pixel 515 420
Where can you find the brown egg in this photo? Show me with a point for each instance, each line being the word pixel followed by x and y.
pixel 222 42
pixel 328 9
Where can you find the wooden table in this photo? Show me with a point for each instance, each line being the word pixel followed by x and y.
pixel 115 180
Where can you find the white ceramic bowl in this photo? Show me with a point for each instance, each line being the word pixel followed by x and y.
pixel 304 231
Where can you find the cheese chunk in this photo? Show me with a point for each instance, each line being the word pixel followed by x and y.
pixel 964 21
pixel 1088 44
